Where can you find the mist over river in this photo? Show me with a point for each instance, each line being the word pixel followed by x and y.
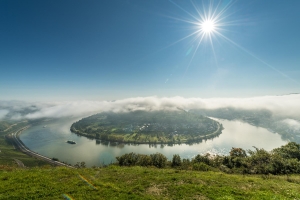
pixel 49 138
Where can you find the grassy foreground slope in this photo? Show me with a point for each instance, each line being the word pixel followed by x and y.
pixel 116 182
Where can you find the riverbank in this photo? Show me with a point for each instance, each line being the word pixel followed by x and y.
pixel 9 154
pixel 14 138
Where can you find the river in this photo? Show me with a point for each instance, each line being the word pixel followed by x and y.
pixel 49 138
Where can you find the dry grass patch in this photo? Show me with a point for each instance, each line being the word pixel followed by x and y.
pixel 156 190
pixel 200 197
pixel 180 182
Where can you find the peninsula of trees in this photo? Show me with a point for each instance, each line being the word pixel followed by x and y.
pixel 142 127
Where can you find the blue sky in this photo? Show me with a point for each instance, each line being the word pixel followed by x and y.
pixel 106 50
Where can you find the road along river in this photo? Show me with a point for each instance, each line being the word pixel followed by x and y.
pixel 49 139
pixel 14 137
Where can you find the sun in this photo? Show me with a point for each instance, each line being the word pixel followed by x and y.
pixel 207 23
pixel 208 26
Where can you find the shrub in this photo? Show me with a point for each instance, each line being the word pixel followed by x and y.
pixel 201 167
pixel 283 160
pixel 238 152
pixel 199 158
pixel 225 169
pixel 158 160
pixel 186 164
pixel 144 160
pixel 259 161
pixel 128 159
pixel 80 165
pixel 290 150
pixel 216 161
pixel 176 161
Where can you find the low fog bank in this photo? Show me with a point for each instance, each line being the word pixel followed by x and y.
pixel 286 108
pixel 294 124
pixel 3 113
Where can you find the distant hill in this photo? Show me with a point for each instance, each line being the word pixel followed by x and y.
pixel 148 127
pixel 259 118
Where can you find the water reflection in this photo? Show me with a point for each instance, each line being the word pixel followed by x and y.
pixel 51 142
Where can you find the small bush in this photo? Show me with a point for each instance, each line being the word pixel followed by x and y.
pixel 176 161
pixel 129 159
pixel 201 167
pixel 144 160
pixel 159 160
pixel 199 158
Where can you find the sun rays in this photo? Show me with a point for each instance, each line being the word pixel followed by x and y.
pixel 211 21
pixel 207 24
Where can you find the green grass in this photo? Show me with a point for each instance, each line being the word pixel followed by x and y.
pixel 116 182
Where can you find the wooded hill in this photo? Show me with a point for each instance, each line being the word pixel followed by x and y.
pixel 148 127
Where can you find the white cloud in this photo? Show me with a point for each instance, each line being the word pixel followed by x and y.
pixel 294 124
pixel 287 106
pixel 3 113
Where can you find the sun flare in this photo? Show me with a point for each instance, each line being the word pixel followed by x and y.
pixel 207 26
